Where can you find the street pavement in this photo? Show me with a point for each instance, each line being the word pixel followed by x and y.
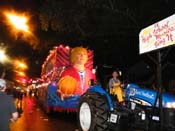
pixel 32 118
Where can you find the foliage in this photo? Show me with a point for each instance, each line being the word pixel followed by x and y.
pixel 86 18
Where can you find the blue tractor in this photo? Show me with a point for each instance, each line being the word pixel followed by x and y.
pixel 98 110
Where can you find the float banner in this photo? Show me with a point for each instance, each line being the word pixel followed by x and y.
pixel 158 35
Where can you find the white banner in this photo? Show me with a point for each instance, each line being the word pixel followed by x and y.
pixel 158 35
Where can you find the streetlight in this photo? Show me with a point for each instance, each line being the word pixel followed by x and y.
pixel 20 65
pixel 20 73
pixel 19 68
pixel 19 23
pixel 3 57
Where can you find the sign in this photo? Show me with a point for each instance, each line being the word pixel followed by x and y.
pixel 158 35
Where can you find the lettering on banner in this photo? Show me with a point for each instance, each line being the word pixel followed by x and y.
pixel 161 34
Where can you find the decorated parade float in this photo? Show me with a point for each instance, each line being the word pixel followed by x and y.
pixel 66 75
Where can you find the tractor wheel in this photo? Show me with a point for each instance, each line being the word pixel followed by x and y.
pixel 93 112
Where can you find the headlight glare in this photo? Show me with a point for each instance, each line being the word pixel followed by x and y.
pixel 170 105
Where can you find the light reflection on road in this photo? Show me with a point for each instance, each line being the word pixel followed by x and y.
pixel 34 119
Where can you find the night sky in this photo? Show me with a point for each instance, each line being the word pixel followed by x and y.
pixel 114 41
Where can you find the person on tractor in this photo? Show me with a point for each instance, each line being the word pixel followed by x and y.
pixel 115 86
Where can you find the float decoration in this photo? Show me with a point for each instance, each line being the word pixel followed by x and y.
pixel 56 62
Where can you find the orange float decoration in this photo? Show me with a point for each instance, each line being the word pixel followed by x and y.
pixel 65 88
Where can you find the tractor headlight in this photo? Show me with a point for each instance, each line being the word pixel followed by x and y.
pixel 170 105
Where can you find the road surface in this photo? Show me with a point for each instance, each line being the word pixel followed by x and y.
pixel 34 119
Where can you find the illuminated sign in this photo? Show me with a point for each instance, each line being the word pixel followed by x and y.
pixel 158 35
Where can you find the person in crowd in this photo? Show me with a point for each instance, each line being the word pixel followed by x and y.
pixel 8 111
pixel 19 101
pixel 115 86
pixel 19 97
pixel 30 92
pixel 78 75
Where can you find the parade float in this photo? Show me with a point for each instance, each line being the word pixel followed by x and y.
pixel 59 89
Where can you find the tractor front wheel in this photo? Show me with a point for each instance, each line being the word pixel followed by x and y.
pixel 93 112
